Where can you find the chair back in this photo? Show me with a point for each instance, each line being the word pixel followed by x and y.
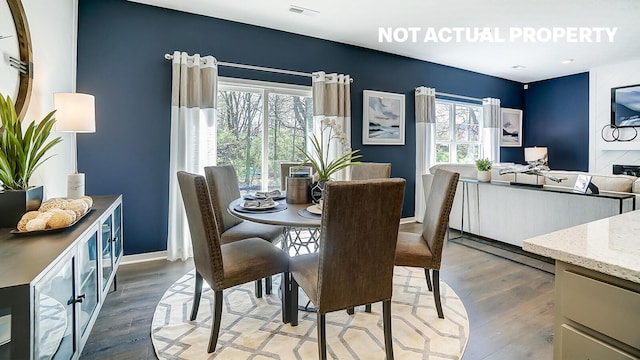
pixel 284 171
pixel 368 171
pixel 223 189
pixel 358 236
pixel 202 225
pixel 436 216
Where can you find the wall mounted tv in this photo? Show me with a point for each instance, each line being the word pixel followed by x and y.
pixel 625 106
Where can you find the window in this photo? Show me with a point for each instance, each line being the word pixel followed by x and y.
pixel 259 125
pixel 458 132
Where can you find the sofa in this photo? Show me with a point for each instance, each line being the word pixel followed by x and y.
pixel 510 214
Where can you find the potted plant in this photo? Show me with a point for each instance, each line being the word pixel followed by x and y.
pixel 21 152
pixel 484 169
pixel 319 158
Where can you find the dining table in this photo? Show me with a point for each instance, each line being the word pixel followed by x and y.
pixel 301 230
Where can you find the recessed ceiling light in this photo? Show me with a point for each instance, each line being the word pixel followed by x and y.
pixel 301 10
pixel 518 67
pixel 568 61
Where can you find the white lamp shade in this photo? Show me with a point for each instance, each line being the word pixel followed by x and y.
pixel 534 153
pixel 75 112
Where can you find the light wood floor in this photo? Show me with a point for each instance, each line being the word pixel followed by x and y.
pixel 510 306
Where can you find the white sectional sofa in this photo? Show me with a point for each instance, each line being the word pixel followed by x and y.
pixel 510 213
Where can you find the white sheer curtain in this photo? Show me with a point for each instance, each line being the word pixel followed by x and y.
pixel 425 142
pixel 492 127
pixel 332 102
pixel 193 135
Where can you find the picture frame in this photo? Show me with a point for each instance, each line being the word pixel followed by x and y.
pixel 511 127
pixel 582 184
pixel 383 118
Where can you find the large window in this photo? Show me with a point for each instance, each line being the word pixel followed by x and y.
pixel 458 132
pixel 259 125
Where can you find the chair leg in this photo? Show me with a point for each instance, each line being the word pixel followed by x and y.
pixel 367 308
pixel 322 338
pixel 388 339
pixel 267 285
pixel 217 315
pixel 293 303
pixel 286 297
pixel 436 293
pixel 351 311
pixel 196 296
pixel 428 277
pixel 259 288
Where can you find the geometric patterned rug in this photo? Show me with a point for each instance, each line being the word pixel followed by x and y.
pixel 252 328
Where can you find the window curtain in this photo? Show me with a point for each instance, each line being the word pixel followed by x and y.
pixel 193 134
pixel 331 95
pixel 425 142
pixel 492 125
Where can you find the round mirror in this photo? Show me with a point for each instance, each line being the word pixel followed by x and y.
pixel 16 64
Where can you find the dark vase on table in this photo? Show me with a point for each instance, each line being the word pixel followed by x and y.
pixel 317 188
pixel 15 203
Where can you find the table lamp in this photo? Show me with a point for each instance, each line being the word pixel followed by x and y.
pixel 533 154
pixel 75 113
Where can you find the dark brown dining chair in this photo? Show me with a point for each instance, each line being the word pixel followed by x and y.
pixel 354 265
pixel 224 265
pixel 223 189
pixel 369 170
pixel 425 250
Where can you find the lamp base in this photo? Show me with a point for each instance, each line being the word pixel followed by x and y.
pixel 75 186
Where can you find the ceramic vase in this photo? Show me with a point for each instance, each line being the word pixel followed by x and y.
pixel 317 188
pixel 484 176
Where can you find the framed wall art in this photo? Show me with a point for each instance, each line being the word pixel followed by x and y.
pixel 511 127
pixel 383 119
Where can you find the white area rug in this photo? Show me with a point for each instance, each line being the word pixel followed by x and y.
pixel 252 328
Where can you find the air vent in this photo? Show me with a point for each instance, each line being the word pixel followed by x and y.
pixel 300 10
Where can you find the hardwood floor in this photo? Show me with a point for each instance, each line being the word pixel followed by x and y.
pixel 510 306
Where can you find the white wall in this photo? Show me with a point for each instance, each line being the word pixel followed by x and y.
pixel 53 35
pixel 603 154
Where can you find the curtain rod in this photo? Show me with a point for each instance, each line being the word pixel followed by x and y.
pixel 458 96
pixel 253 67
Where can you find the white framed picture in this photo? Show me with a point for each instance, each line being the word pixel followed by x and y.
pixel 382 118
pixel 511 127
pixel 582 184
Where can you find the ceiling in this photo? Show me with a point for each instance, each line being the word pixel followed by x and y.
pixel 357 22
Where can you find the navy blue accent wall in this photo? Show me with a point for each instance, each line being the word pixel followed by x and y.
pixel 557 116
pixel 120 60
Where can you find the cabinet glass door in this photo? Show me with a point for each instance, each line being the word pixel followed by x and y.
pixel 55 315
pixel 88 277
pixel 107 250
pixel 117 232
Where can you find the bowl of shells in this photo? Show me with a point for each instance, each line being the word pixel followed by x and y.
pixel 54 214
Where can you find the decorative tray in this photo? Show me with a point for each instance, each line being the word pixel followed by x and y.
pixel 18 232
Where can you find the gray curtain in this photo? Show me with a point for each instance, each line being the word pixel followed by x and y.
pixel 492 125
pixel 425 99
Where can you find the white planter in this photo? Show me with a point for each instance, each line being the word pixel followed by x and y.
pixel 484 176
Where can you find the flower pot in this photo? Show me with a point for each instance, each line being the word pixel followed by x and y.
pixel 14 203
pixel 484 176
pixel 317 189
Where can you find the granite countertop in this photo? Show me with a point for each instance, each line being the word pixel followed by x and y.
pixel 610 246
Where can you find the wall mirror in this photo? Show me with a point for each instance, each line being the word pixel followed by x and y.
pixel 16 62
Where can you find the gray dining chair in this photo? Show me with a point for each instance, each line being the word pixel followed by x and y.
pixel 369 170
pixel 224 265
pixel 223 189
pixel 354 264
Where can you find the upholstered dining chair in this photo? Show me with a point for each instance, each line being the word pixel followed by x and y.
pixel 425 250
pixel 224 265
pixel 223 189
pixel 354 265
pixel 369 170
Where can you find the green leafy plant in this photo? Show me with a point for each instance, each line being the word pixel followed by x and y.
pixel 319 159
pixel 483 164
pixel 22 152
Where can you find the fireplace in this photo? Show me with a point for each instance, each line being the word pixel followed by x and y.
pixel 633 170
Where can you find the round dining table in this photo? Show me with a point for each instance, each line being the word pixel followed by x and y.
pixel 301 228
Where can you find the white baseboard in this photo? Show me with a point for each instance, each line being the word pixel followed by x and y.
pixel 144 257
pixel 408 220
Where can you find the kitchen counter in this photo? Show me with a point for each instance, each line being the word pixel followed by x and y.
pixel 610 246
